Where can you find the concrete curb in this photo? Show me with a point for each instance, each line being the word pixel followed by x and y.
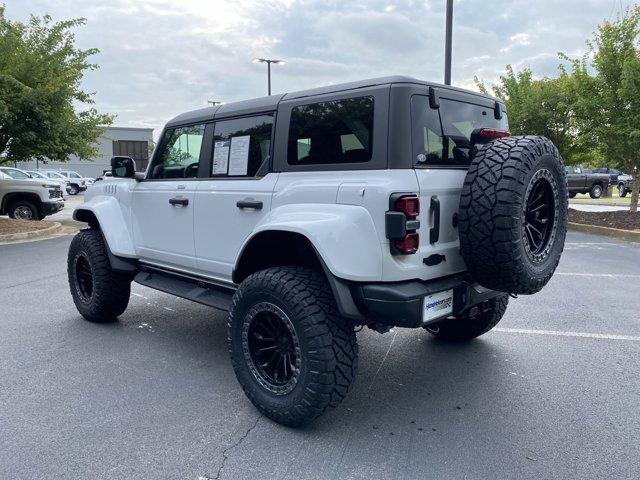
pixel 596 204
pixel 10 237
pixel 629 235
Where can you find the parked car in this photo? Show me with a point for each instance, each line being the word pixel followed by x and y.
pixel 612 172
pixel 71 175
pixel 15 173
pixel 28 198
pixel 75 185
pixel 380 203
pixel 64 185
pixel 579 181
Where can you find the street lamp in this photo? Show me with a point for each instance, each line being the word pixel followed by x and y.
pixel 447 42
pixel 213 102
pixel 268 61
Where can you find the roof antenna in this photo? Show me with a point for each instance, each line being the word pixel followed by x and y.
pixel 447 43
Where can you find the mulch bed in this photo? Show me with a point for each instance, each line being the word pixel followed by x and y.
pixel 9 225
pixel 621 220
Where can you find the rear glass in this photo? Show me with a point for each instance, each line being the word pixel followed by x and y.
pixel 441 137
pixel 339 131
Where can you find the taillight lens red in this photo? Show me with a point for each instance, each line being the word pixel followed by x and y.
pixel 493 133
pixel 409 244
pixel 409 205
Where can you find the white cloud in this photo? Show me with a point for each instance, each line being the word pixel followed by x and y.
pixel 161 57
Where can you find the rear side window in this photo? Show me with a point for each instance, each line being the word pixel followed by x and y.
pixel 339 131
pixel 441 137
pixel 241 146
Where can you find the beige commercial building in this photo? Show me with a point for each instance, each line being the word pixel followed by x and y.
pixel 130 141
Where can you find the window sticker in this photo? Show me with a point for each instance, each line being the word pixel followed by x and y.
pixel 239 155
pixel 220 157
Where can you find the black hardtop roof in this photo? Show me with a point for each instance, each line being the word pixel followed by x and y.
pixel 270 103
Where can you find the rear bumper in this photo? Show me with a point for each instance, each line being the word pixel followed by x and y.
pixel 400 304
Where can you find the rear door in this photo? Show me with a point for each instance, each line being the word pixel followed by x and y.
pixel 163 204
pixel 236 193
pixel 578 179
pixel 440 143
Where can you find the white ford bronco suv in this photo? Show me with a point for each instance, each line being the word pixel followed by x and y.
pixel 380 203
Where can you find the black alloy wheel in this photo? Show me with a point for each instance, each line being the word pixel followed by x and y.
pixel 99 293
pixel 271 348
pixel 84 277
pixel 292 352
pixel 540 215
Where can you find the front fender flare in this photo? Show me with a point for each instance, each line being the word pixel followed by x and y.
pixel 108 212
pixel 343 235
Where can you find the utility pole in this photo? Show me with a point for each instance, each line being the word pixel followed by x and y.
pixel 447 42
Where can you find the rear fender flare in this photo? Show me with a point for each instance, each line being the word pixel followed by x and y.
pixel 344 236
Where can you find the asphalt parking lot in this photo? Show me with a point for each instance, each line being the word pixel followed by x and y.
pixel 554 392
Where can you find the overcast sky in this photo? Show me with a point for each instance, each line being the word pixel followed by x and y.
pixel 162 57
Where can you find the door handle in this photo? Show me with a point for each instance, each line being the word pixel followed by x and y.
pixel 255 204
pixel 434 232
pixel 179 201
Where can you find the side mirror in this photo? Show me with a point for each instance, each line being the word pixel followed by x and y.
pixel 123 167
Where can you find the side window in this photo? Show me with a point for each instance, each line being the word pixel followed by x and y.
pixel 442 136
pixel 241 146
pixel 180 153
pixel 427 138
pixel 339 131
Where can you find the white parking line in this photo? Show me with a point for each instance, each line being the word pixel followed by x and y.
pixel 604 275
pixel 601 336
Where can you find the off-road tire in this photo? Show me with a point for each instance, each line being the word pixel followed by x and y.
pixel 35 212
pixel 492 218
pixel 328 350
pixel 477 321
pixel 595 191
pixel 110 290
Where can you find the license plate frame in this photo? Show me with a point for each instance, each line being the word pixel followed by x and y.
pixel 437 305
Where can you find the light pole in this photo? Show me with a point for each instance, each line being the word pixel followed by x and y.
pixel 268 61
pixel 213 102
pixel 447 43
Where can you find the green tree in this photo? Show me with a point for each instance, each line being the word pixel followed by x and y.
pixel 540 107
pixel 40 75
pixel 606 82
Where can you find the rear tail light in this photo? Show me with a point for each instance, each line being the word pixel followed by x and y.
pixel 409 205
pixel 402 224
pixel 493 133
pixel 486 135
pixel 409 244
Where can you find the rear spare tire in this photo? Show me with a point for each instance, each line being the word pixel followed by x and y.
pixel 513 214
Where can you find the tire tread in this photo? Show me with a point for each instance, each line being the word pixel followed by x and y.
pixel 333 350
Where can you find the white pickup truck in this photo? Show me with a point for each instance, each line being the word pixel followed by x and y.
pixel 28 198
